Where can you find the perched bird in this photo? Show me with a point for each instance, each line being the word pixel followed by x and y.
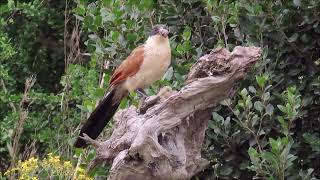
pixel 145 65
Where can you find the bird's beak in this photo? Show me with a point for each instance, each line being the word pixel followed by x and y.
pixel 164 32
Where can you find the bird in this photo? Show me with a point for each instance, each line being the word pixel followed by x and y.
pixel 146 64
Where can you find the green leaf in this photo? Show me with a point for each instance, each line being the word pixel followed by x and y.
pixel 11 4
pixel 258 106
pixel 244 92
pixel 169 74
pixel 217 117
pixel 254 156
pixel 226 102
pixel 186 46
pixel 88 105
pixel 269 109
pixel 81 108
pixel 313 140
pixel 179 77
pixel 226 170
pixel 180 49
pixel 282 108
pixel 266 96
pixel 99 92
pixel 87 22
pixel 186 33
pixel 78 152
pixel 270 158
pixel 115 35
pixel 261 80
pixel 226 123
pixel 254 120
pixel 293 38
pixel 211 125
pixel 147 4
pixel 131 37
pixel 80 10
pixel 93 37
pixel 214 127
pixel 98 20
pixel 284 125
pixel 274 145
pixel 215 18
pixel 252 89
pixel 248 102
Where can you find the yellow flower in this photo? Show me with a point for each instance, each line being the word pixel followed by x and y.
pixel 28 166
pixel 32 168
pixel 80 170
pixel 67 165
pixel 84 177
pixel 10 171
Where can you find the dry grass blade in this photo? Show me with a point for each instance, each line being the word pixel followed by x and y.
pixel 23 114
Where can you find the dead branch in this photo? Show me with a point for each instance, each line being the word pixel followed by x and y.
pixel 164 139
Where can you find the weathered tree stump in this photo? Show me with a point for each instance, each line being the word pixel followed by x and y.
pixel 163 139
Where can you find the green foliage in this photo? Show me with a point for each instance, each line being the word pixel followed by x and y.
pixel 313 140
pixel 274 163
pixel 254 116
pixel 266 108
pixel 31 42
pixel 269 130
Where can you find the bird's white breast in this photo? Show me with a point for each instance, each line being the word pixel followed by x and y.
pixel 157 59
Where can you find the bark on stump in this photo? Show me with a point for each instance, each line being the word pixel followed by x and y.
pixel 163 138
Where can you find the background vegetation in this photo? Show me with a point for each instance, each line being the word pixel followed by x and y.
pixel 56 58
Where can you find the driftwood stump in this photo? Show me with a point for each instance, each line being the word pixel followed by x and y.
pixel 163 138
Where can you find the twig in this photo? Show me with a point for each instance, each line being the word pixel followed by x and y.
pixel 77 166
pixel 65 33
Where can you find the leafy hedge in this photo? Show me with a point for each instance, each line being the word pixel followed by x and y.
pixel 269 130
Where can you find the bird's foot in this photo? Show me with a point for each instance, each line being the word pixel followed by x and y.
pixel 89 140
pixel 145 104
pixel 142 93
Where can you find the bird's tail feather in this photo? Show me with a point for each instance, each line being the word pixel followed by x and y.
pixel 100 117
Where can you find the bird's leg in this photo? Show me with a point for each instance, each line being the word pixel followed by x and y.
pixel 142 93
pixel 144 96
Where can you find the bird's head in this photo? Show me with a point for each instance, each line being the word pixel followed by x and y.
pixel 159 30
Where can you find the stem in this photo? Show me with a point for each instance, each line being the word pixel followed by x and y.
pixel 75 170
pixel 65 34
pixel 224 32
pixel 250 130
pixel 23 114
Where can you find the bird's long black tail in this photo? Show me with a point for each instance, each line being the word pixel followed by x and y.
pixel 100 117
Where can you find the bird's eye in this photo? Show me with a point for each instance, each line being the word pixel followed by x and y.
pixel 156 30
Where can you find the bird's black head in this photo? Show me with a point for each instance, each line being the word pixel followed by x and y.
pixel 159 29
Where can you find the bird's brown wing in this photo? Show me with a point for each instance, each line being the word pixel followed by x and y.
pixel 128 67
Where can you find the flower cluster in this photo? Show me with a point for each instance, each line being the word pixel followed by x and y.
pixel 49 168
pixel 26 169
